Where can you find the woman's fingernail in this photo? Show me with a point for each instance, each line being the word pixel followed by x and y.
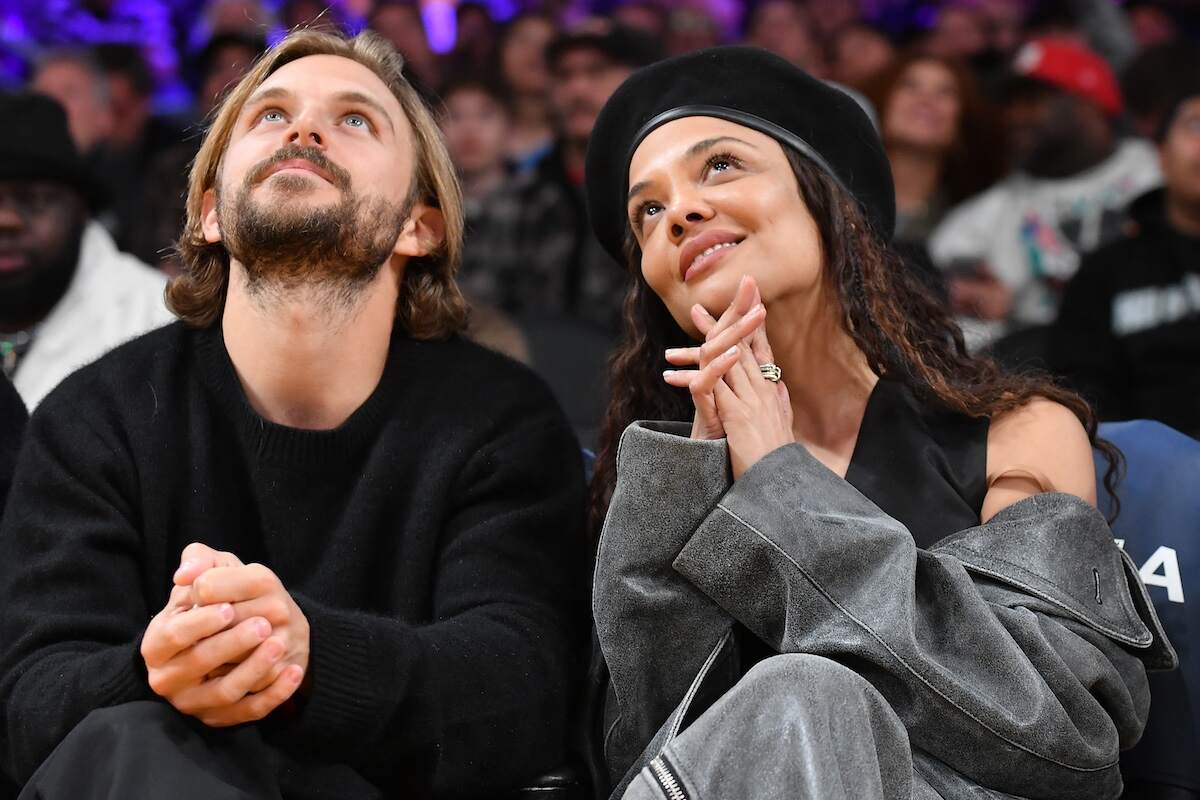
pixel 731 351
pixel 263 628
pixel 226 612
pixel 184 567
pixel 671 351
pixel 756 308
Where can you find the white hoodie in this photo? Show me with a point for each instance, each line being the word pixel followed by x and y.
pixel 113 297
pixel 1031 232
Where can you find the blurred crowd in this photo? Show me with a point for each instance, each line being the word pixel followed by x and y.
pixel 1046 156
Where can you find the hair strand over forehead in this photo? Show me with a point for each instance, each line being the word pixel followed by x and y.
pixel 431 305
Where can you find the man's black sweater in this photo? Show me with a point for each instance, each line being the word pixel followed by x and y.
pixel 1128 330
pixel 433 542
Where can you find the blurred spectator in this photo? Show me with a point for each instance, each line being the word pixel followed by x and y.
pixel 1099 24
pixel 1009 251
pixel 237 16
pixel 860 53
pixel 248 17
pixel 784 28
pixel 940 138
pixel 143 24
pixel 400 22
pixel 137 137
pixel 75 80
pixel 1152 24
pixel 691 28
pixel 67 295
pixel 829 17
pixel 522 54
pixel 476 121
pixel 565 270
pixel 1151 82
pixel 307 13
pixel 475 39
pixel 1003 24
pixel 648 17
pixel 958 33
pixel 221 64
pixel 1129 332
pixel 219 67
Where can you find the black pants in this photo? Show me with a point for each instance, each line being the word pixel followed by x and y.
pixel 149 750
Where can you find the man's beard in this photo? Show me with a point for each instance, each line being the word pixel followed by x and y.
pixel 29 296
pixel 285 247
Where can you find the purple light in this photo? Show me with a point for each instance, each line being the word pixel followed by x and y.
pixel 439 24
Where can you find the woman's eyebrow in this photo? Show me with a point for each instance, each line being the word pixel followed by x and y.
pixel 692 152
pixel 700 147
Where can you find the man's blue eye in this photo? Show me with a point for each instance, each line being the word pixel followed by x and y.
pixel 272 116
pixel 356 121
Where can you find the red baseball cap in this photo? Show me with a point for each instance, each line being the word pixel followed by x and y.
pixel 1072 67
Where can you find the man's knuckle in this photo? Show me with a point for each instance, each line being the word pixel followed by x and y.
pixel 276 610
pixel 158 683
pixel 194 549
pixel 228 693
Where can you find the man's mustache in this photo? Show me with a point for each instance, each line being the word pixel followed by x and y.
pixel 339 177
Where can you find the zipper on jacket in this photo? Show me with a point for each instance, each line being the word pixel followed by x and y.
pixel 667 781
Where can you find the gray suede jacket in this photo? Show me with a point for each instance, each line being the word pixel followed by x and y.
pixel 1015 652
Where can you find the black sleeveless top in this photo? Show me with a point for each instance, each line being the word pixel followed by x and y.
pixel 925 467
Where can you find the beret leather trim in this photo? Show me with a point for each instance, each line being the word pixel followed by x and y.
pixel 744 118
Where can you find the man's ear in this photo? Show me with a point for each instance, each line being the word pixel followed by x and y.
pixel 209 223
pixel 423 232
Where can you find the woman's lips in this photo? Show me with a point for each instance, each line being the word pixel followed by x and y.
pixel 704 262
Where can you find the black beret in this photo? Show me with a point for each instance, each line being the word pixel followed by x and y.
pixel 750 87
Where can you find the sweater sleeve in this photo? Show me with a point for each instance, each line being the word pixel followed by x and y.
pixel 495 662
pixel 71 603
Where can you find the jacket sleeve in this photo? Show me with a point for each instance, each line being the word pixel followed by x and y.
pixel 72 608
pixel 655 628
pixel 428 704
pixel 1014 652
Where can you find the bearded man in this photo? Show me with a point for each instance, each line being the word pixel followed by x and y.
pixel 356 537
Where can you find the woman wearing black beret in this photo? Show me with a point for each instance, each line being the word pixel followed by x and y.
pixel 870 566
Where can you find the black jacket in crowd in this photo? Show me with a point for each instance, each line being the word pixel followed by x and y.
pixel 433 541
pixel 1128 331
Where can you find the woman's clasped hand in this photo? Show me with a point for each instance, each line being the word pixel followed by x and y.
pixel 732 397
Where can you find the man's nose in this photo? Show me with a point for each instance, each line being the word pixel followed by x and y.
pixel 306 132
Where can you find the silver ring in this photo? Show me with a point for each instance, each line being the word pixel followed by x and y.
pixel 770 372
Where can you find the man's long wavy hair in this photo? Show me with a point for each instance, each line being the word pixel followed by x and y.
pixel 430 305
pixel 906 332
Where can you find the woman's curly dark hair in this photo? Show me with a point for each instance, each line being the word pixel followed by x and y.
pixel 906 332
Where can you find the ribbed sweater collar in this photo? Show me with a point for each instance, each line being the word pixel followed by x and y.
pixel 298 447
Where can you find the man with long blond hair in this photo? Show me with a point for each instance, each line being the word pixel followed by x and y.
pixel 354 534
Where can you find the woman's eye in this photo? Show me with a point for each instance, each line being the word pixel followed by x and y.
pixel 722 162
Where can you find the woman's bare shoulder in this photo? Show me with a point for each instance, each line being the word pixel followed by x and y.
pixel 1038 447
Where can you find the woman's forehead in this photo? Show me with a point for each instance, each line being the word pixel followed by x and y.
pixel 679 140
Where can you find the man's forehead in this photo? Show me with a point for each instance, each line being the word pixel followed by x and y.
pixel 321 76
